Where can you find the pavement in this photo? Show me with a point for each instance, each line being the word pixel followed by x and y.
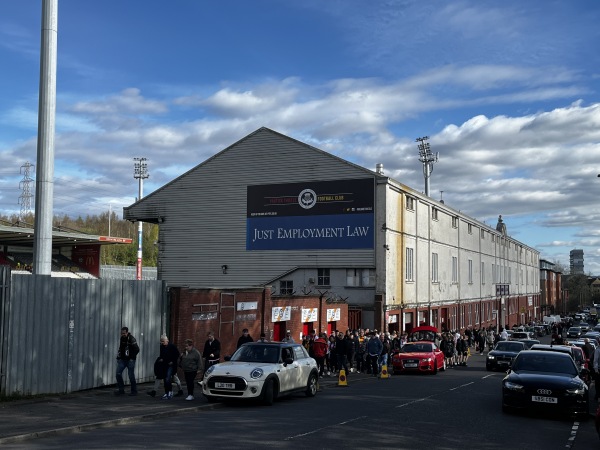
pixel 22 420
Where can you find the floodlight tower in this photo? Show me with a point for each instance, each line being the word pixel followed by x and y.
pixel 427 158
pixel 140 172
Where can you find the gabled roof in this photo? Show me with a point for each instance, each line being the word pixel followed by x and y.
pixel 150 196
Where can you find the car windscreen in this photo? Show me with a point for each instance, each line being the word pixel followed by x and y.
pixel 530 362
pixel 257 353
pixel 416 348
pixel 505 346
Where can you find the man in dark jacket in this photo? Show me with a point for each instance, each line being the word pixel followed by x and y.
pixel 169 357
pixel 341 349
pixel 245 337
pixel 212 351
pixel 126 355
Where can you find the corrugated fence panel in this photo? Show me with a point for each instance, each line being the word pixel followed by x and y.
pixel 4 323
pixel 62 334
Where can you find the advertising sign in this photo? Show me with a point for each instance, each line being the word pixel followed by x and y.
pixel 245 306
pixel 313 215
pixel 281 313
pixel 309 314
pixel 333 315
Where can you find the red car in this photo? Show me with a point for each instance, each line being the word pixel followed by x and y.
pixel 420 356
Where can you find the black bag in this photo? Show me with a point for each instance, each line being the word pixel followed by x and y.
pixel 160 369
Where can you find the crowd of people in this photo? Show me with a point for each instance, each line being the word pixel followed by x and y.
pixel 354 351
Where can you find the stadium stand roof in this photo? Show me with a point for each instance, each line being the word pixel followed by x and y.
pixel 22 234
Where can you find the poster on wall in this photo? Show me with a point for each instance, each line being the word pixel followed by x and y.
pixel 333 315
pixel 314 215
pixel 281 313
pixel 309 314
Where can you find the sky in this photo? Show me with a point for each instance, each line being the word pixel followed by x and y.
pixel 507 92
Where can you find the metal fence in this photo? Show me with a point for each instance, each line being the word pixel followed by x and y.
pixel 127 272
pixel 61 334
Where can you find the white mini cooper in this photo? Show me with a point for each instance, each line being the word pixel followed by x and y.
pixel 264 371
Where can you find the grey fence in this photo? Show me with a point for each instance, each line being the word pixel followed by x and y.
pixel 61 334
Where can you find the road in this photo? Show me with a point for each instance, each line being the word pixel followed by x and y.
pixel 457 409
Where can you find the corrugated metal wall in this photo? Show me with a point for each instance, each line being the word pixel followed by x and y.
pixel 203 214
pixel 61 334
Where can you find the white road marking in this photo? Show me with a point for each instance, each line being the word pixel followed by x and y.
pixel 324 428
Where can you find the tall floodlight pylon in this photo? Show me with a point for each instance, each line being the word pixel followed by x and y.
pixel 140 172
pixel 428 159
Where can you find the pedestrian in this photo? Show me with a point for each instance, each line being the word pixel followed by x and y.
pixel 263 338
pixel 190 361
pixel 169 357
pixel 320 352
pixel 126 355
pixel 341 350
pixel 288 337
pixel 374 349
pixel 212 351
pixel 245 337
pixel 597 370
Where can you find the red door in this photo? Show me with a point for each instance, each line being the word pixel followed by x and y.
pixel 279 331
pixel 306 327
pixel 330 328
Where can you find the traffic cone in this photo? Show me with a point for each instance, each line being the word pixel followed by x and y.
pixel 384 372
pixel 342 380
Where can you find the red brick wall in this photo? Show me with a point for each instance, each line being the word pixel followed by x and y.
pixel 195 312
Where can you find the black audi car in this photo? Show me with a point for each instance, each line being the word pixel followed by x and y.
pixel 503 354
pixel 545 380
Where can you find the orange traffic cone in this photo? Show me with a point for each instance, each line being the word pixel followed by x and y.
pixel 342 379
pixel 384 372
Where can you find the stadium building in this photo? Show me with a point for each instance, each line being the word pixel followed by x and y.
pixel 277 234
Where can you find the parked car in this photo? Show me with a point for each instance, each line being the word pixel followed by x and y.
pixel 529 342
pixel 503 354
pixel 420 356
pixel 262 370
pixel 521 335
pixel 545 380
pixel 540 330
pixel 576 354
pixel 574 332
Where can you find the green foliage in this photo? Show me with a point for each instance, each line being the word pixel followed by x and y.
pixel 107 225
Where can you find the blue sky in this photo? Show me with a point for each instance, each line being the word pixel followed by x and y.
pixel 508 92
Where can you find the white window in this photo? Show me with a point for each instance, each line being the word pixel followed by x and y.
pixel 482 233
pixel 360 277
pixel 409 264
pixel 470 265
pixel 434 213
pixel 470 229
pixel 410 203
pixel 434 267
pixel 454 269
pixel 455 222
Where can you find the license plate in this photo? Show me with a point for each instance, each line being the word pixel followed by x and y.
pixel 225 385
pixel 541 399
pixel 410 365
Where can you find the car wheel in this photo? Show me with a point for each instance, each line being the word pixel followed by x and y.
pixel 311 387
pixel 210 398
pixel 435 369
pixel 268 393
pixel 506 409
pixel 488 368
